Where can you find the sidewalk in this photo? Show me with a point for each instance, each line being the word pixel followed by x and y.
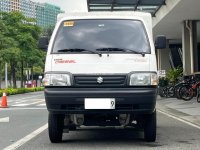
pixel 186 110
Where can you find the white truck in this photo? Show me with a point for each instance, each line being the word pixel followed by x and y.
pixel 101 71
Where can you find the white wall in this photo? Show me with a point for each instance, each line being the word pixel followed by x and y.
pixel 77 6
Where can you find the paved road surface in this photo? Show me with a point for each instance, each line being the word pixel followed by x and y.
pixel 27 113
pixel 172 134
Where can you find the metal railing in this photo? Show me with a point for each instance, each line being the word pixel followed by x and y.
pixel 171 60
pixel 180 54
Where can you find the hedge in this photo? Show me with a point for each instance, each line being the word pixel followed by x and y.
pixel 11 91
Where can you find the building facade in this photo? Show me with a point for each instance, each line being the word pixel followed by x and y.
pixel 27 7
pixel 44 13
pixel 5 5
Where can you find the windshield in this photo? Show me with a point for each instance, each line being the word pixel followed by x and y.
pixel 94 35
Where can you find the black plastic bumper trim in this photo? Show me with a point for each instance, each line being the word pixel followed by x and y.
pixel 128 100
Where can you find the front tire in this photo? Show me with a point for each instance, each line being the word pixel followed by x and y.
pixel 150 127
pixel 55 127
pixel 186 93
pixel 170 91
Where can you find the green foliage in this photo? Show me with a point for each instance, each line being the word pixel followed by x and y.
pixel 48 31
pixel 13 91
pixel 163 81
pixel 174 74
pixel 38 70
pixel 18 43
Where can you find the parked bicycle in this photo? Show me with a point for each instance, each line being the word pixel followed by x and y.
pixel 186 88
pixel 190 90
pixel 198 94
pixel 171 90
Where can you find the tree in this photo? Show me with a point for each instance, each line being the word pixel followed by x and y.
pixel 2 42
pixel 13 22
pixel 22 35
pixel 28 45
pixel 48 31
pixel 11 56
pixel 8 47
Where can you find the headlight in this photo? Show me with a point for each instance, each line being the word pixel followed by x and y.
pixel 56 80
pixel 143 79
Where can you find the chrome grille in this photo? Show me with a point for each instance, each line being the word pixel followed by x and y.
pixel 100 80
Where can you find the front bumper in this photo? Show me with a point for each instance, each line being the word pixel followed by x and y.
pixel 135 100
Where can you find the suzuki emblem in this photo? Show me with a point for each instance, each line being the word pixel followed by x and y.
pixel 100 80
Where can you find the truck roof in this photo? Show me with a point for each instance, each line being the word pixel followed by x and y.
pixel 145 17
pixel 132 14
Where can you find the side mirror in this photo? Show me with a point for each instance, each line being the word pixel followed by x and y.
pixel 43 43
pixel 160 42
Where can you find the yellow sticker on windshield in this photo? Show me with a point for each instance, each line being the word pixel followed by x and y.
pixel 68 23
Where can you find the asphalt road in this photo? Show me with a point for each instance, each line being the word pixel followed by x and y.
pixel 26 113
pixel 172 134
pixel 24 119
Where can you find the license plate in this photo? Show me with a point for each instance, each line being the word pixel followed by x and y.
pixel 99 103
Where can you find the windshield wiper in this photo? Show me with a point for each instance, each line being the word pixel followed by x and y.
pixel 79 50
pixel 120 49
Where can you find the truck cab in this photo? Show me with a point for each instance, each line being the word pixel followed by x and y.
pixel 101 71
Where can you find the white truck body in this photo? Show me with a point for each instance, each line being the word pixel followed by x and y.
pixel 116 63
pixel 101 70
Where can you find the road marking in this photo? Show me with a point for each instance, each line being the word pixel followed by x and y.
pixel 24 98
pixel 179 119
pixel 6 119
pixel 26 138
pixel 42 104
pixel 17 105
pixel 28 104
pixel 17 102
pixel 24 108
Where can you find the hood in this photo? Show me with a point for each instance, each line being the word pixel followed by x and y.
pixel 94 64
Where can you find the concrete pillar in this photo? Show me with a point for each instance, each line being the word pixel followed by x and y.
pixel 195 46
pixel 189 41
pixel 163 58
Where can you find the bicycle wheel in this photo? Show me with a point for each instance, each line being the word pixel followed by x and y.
pixel 198 94
pixel 177 92
pixel 170 91
pixel 165 91
pixel 162 92
pixel 198 99
pixel 186 93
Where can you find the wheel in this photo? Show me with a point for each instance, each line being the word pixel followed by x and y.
pixel 186 93
pixel 177 93
pixel 170 91
pixel 150 127
pixel 198 94
pixel 162 91
pixel 55 127
pixel 198 100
